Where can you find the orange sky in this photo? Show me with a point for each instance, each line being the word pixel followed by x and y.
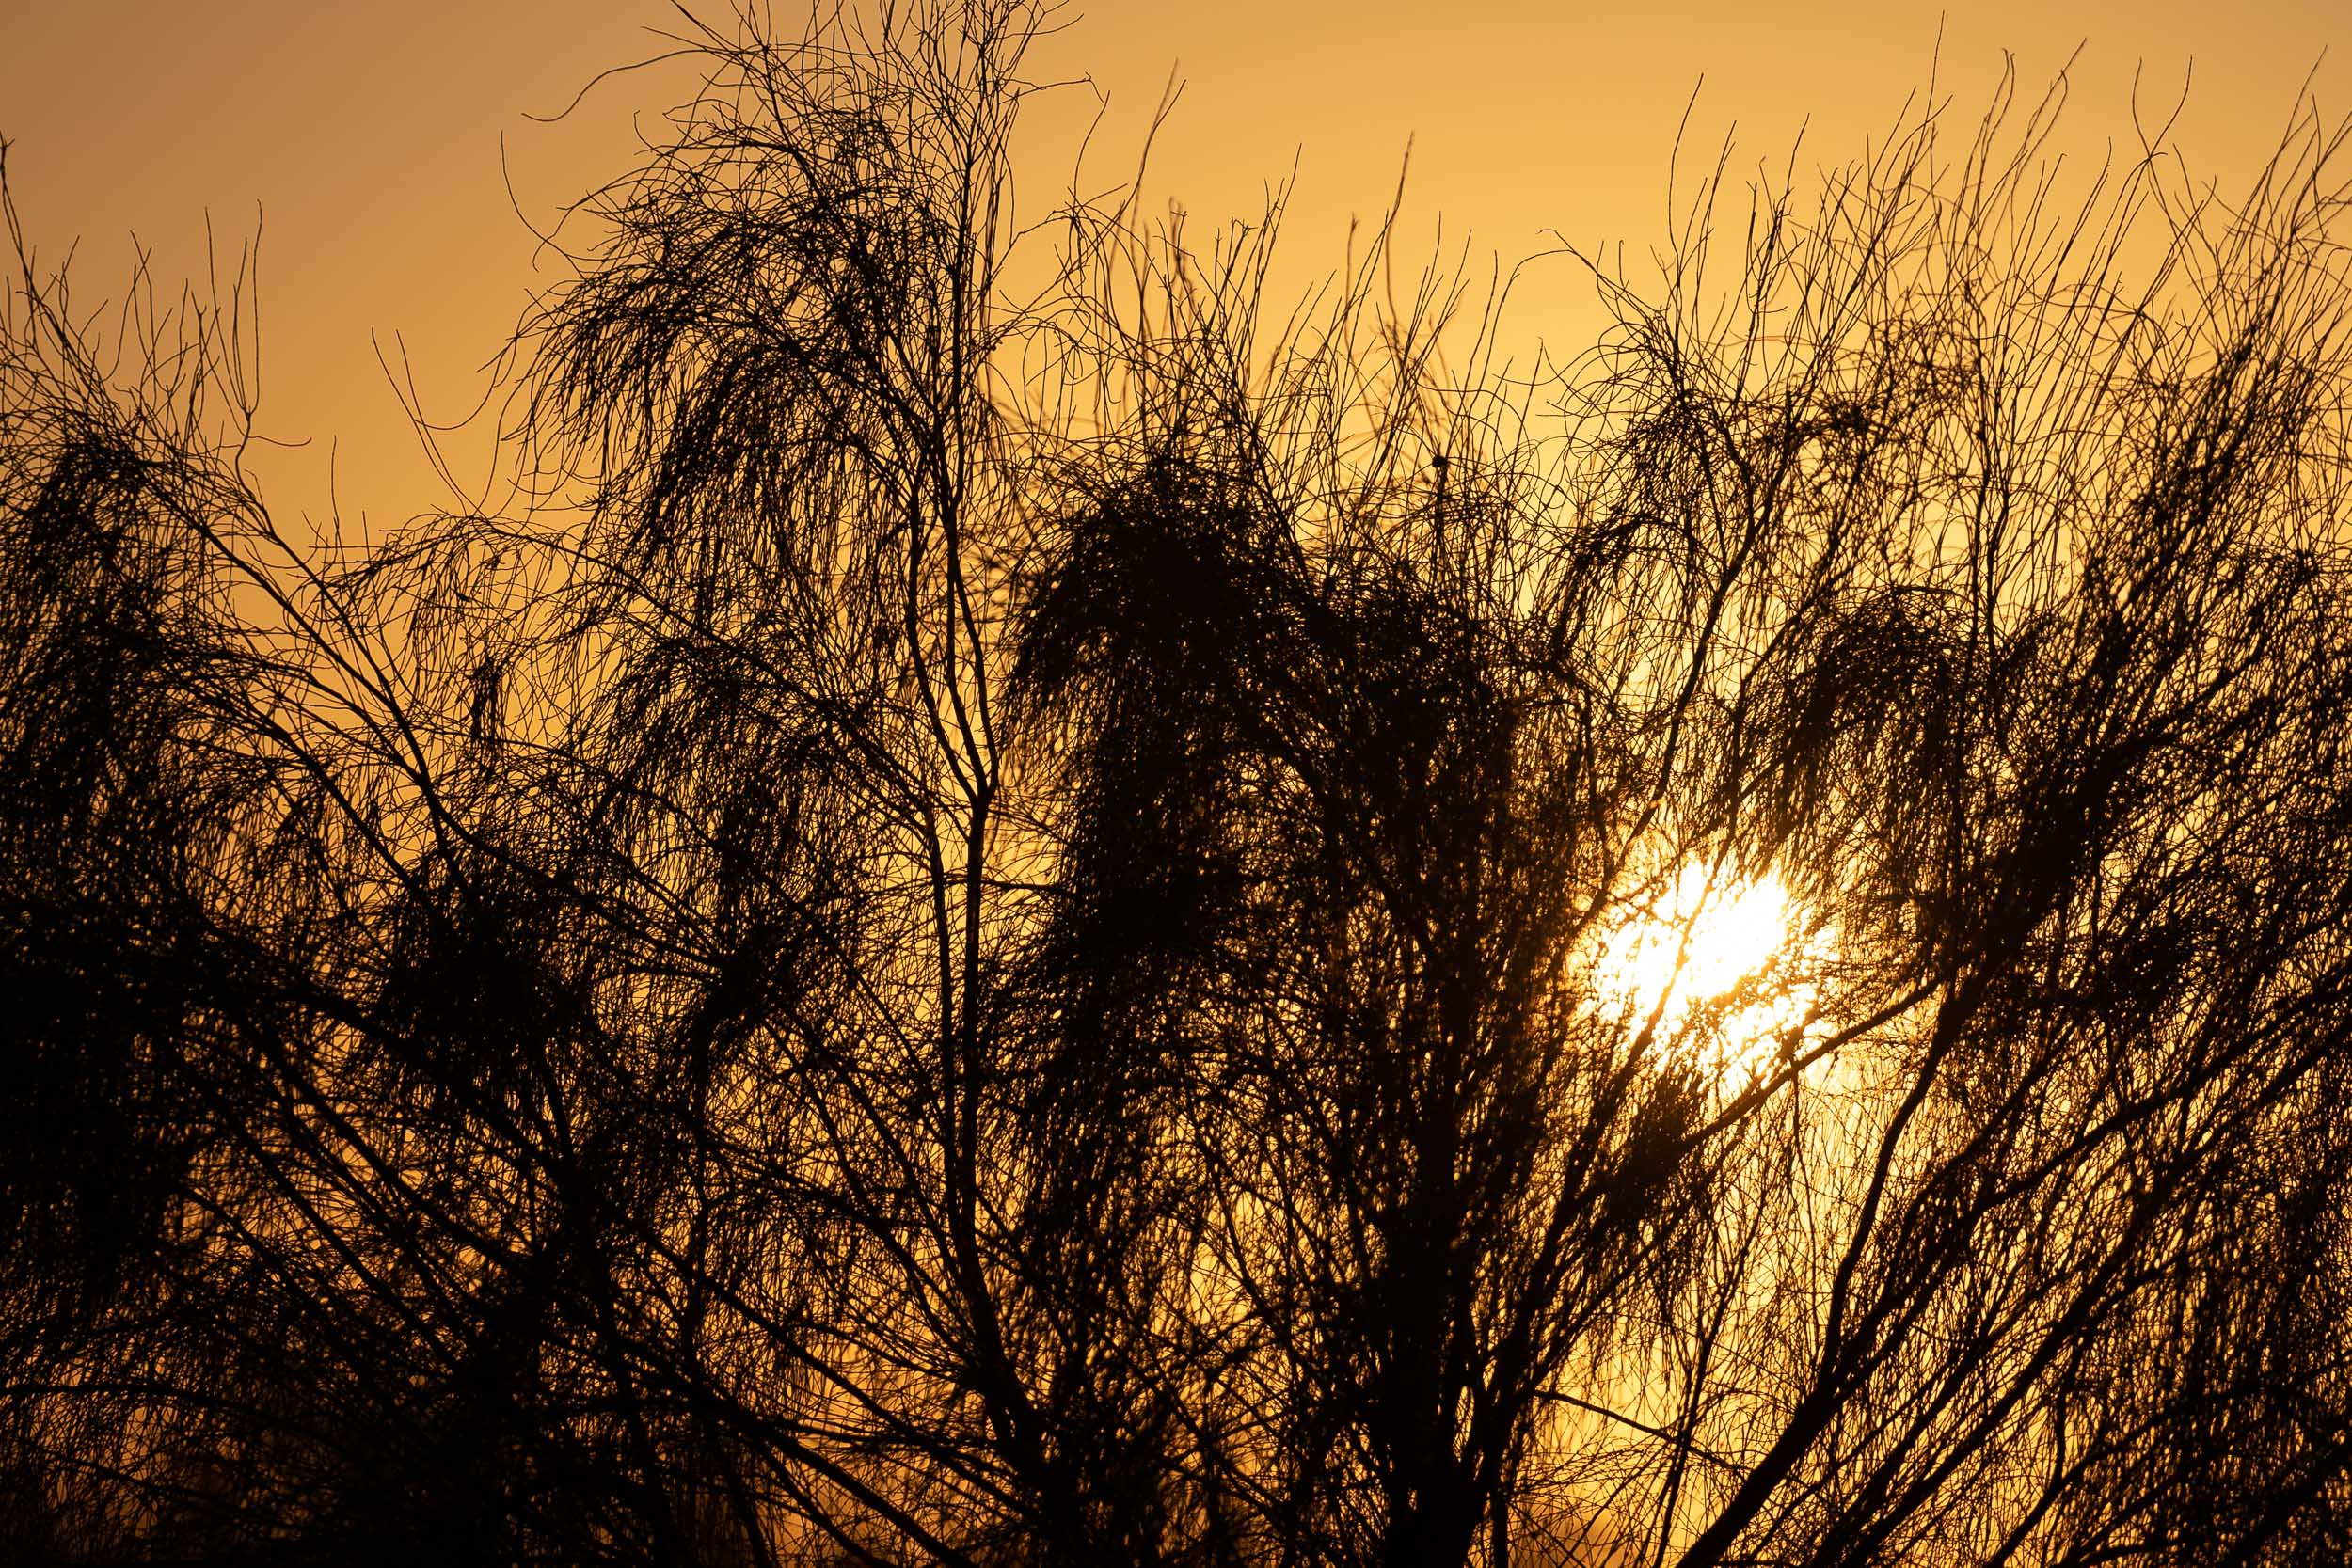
pixel 369 137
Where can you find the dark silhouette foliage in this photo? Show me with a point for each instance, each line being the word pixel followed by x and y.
pixel 1022 911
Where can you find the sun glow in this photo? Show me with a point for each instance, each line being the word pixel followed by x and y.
pixel 1713 968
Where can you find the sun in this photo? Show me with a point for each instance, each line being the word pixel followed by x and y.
pixel 1714 963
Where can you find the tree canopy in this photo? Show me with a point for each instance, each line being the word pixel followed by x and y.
pixel 1027 908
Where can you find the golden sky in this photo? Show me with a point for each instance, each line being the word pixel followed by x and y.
pixel 369 137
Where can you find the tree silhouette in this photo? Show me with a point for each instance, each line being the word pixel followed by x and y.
pixel 991 923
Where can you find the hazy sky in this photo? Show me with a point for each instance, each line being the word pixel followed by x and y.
pixel 369 138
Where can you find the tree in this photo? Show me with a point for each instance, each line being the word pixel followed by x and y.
pixel 997 926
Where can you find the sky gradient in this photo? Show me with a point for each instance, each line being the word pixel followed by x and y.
pixel 377 143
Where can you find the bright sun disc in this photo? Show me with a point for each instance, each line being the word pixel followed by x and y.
pixel 1686 958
